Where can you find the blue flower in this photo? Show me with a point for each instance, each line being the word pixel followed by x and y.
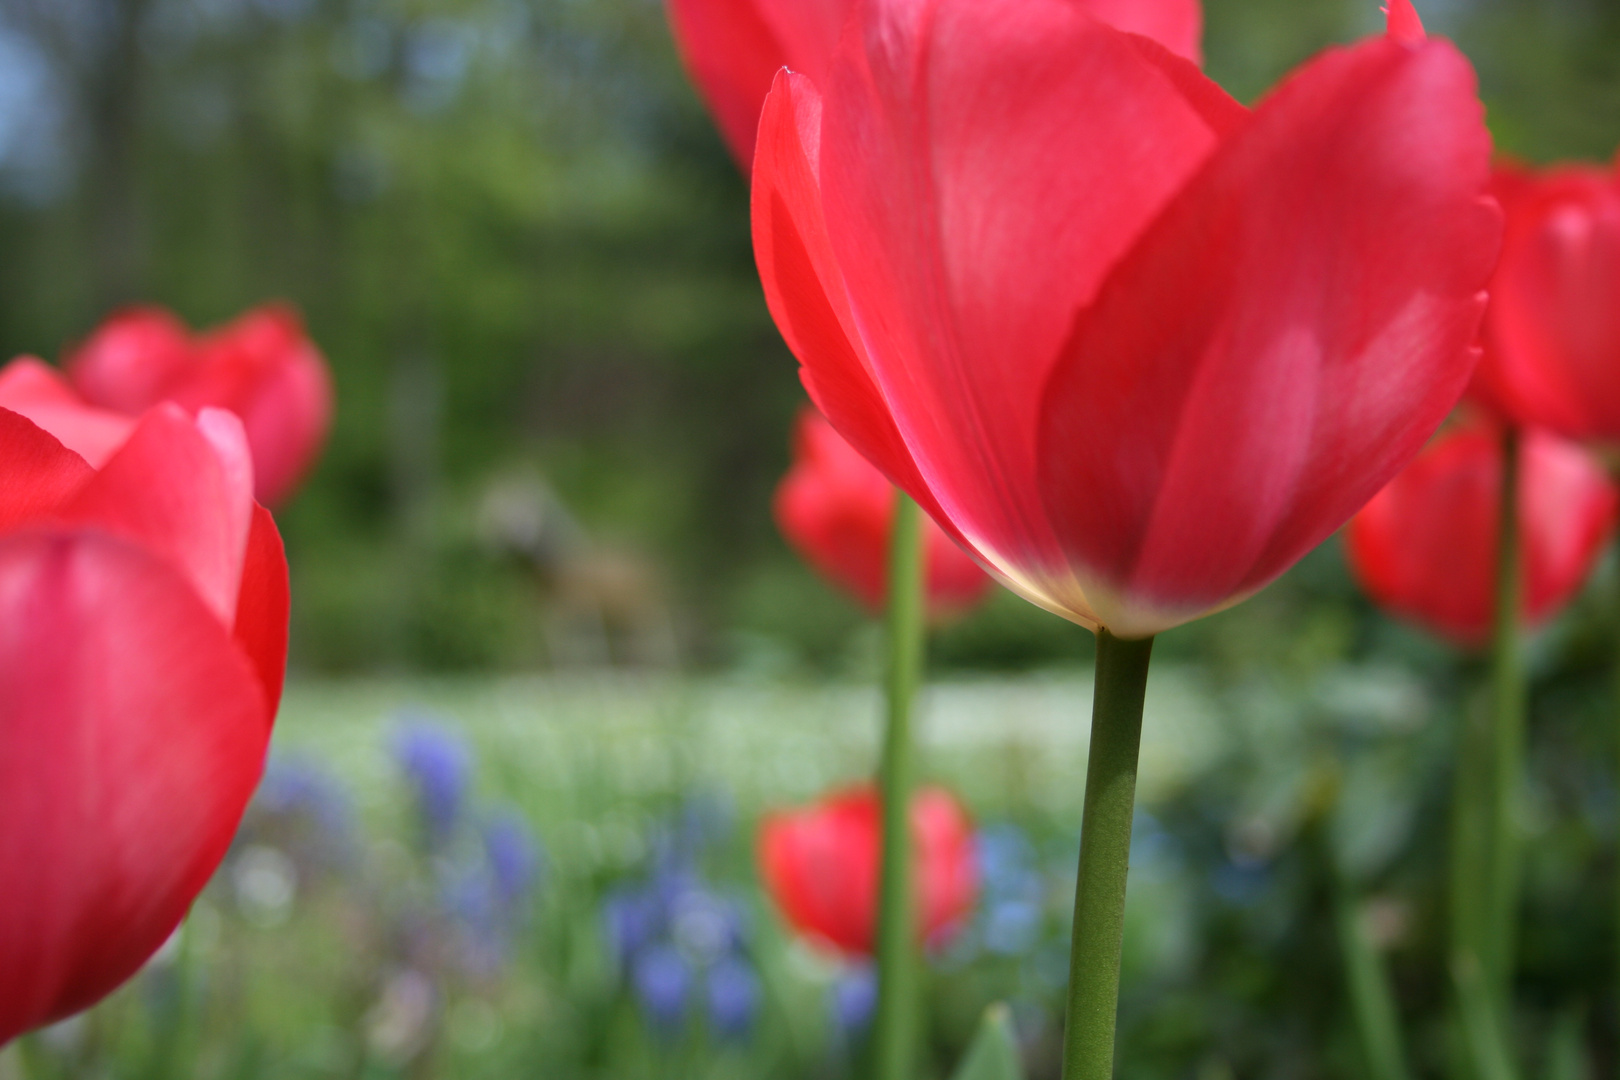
pixel 303 810
pixel 515 859
pixel 662 981
pixel 438 765
pixel 852 1000
pixel 631 919
pixel 734 995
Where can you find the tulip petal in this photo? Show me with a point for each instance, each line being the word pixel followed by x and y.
pixel 1403 22
pixel 1425 547
pixel 1324 275
pixel 734 48
pixel 134 734
pixel 35 390
pixel 173 490
pixel 821 865
pixel 1178 25
pixel 1553 330
pixel 804 286
pixel 263 604
pixel 40 473
pixel 984 164
pixel 131 360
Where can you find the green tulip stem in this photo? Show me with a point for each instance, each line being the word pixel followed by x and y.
pixel 1508 708
pixel 1617 758
pixel 893 1036
pixel 1105 854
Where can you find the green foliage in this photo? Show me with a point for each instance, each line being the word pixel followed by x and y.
pixel 994 1053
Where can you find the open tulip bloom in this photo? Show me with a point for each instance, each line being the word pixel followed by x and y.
pixel 261 366
pixel 1425 548
pixel 820 866
pixel 143 633
pixel 1136 347
pixel 1552 335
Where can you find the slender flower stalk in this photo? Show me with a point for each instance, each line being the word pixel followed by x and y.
pixel 1105 851
pixel 893 1039
pixel 1372 1000
pixel 1508 691
pixel 1469 915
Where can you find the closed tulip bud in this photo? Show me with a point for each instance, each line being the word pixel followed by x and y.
pixel 143 633
pixel 820 866
pixel 262 367
pixel 1552 334
pixel 1135 346
pixel 1425 547
pixel 837 512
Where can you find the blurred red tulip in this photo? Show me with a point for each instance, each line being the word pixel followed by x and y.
pixel 1136 347
pixel 143 636
pixel 1552 334
pixel 1425 546
pixel 820 866
pixel 734 48
pixel 836 511
pixel 262 367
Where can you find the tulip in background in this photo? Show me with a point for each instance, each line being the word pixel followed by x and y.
pixel 1552 341
pixel 1552 335
pixel 1425 548
pixel 1135 346
pixel 143 634
pixel 262 366
pixel 838 513
pixel 820 865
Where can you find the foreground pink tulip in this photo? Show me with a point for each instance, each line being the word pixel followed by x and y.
pixel 734 48
pixel 262 367
pixel 1136 347
pixel 1425 546
pixel 820 866
pixel 1552 353
pixel 143 635
pixel 836 510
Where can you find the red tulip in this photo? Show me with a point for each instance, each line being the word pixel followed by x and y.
pixel 143 635
pixel 1552 334
pixel 734 48
pixel 1136 347
pixel 836 510
pixel 820 866
pixel 1425 546
pixel 262 367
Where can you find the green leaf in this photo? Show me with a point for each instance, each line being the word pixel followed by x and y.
pixel 994 1053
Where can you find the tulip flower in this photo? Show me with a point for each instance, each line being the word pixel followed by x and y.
pixel 734 48
pixel 262 367
pixel 837 511
pixel 820 866
pixel 143 633
pixel 1425 547
pixel 1136 347
pixel 1552 334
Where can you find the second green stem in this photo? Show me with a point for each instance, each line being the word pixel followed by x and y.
pixel 894 1035
pixel 1507 737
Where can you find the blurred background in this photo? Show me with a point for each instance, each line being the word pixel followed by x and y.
pixel 537 582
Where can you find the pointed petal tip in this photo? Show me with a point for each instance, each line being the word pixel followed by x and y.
pixel 1403 23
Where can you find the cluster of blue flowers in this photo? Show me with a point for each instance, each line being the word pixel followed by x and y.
pixel 484 861
pixel 681 943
